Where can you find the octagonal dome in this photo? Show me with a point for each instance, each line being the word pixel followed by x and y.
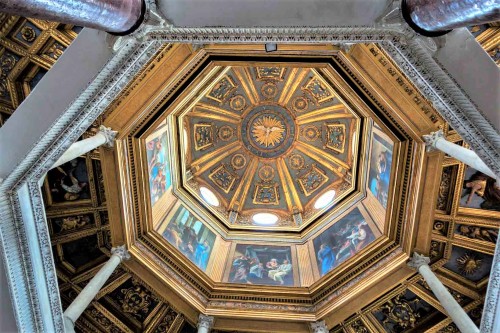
pixel 268 139
pixel 253 175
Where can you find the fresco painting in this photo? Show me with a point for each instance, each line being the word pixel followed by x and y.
pixel 69 182
pixel 190 236
pixel 158 164
pixel 380 168
pixel 480 191
pixel 342 241
pixel 262 264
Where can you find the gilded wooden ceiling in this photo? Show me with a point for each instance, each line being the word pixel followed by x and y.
pixel 28 48
pixel 459 236
pixel 270 138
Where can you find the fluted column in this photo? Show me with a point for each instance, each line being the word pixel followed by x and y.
pixel 82 301
pixel 454 310
pixel 205 323
pixel 436 140
pixel 117 16
pixel 105 136
pixel 434 18
pixel 319 327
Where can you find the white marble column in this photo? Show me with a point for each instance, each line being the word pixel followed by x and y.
pixel 82 301
pixel 105 136
pixel 319 327
pixel 454 310
pixel 205 323
pixel 436 140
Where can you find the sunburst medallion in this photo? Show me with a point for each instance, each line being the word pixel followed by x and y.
pixel 268 131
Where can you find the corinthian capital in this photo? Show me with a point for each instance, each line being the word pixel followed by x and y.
pixel 319 327
pixel 109 134
pixel 418 260
pixel 205 321
pixel 121 251
pixel 432 138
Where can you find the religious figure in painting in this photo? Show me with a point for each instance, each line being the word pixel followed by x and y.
pixel 202 254
pixel 279 274
pixel 379 184
pixel 326 258
pixel 486 188
pixel 257 271
pixel 66 185
pixel 260 264
pixel 159 174
pixel 341 241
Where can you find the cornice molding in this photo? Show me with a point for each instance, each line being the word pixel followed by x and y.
pixel 21 206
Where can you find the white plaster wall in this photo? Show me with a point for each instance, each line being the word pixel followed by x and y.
pixel 278 13
pixel 63 83
pixel 7 320
pixel 474 70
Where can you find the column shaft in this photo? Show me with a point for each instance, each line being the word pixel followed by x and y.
pixel 438 141
pixel 81 302
pixel 438 16
pixel 79 148
pixel 118 16
pixel 104 136
pixel 464 155
pixel 454 310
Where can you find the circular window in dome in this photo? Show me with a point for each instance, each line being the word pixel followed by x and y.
pixel 265 218
pixel 324 199
pixel 209 196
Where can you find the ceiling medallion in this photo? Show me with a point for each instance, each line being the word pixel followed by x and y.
pixel 269 90
pixel 238 161
pixel 268 131
pixel 311 133
pixel 266 172
pixel 226 133
pixel 237 103
pixel 296 161
pixel 469 263
pixel 300 104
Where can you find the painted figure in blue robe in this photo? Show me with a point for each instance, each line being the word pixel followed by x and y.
pixel 201 254
pixel 326 257
pixel 379 185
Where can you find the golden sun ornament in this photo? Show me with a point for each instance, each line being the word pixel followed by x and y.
pixel 268 131
pixel 469 263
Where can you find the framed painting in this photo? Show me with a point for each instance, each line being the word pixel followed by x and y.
pixel 262 264
pixel 479 194
pixel 190 236
pixel 342 241
pixel 380 166
pixel 68 184
pixel 159 171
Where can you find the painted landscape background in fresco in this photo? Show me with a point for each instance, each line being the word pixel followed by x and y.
pixel 158 164
pixel 190 236
pixel 262 264
pixel 342 241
